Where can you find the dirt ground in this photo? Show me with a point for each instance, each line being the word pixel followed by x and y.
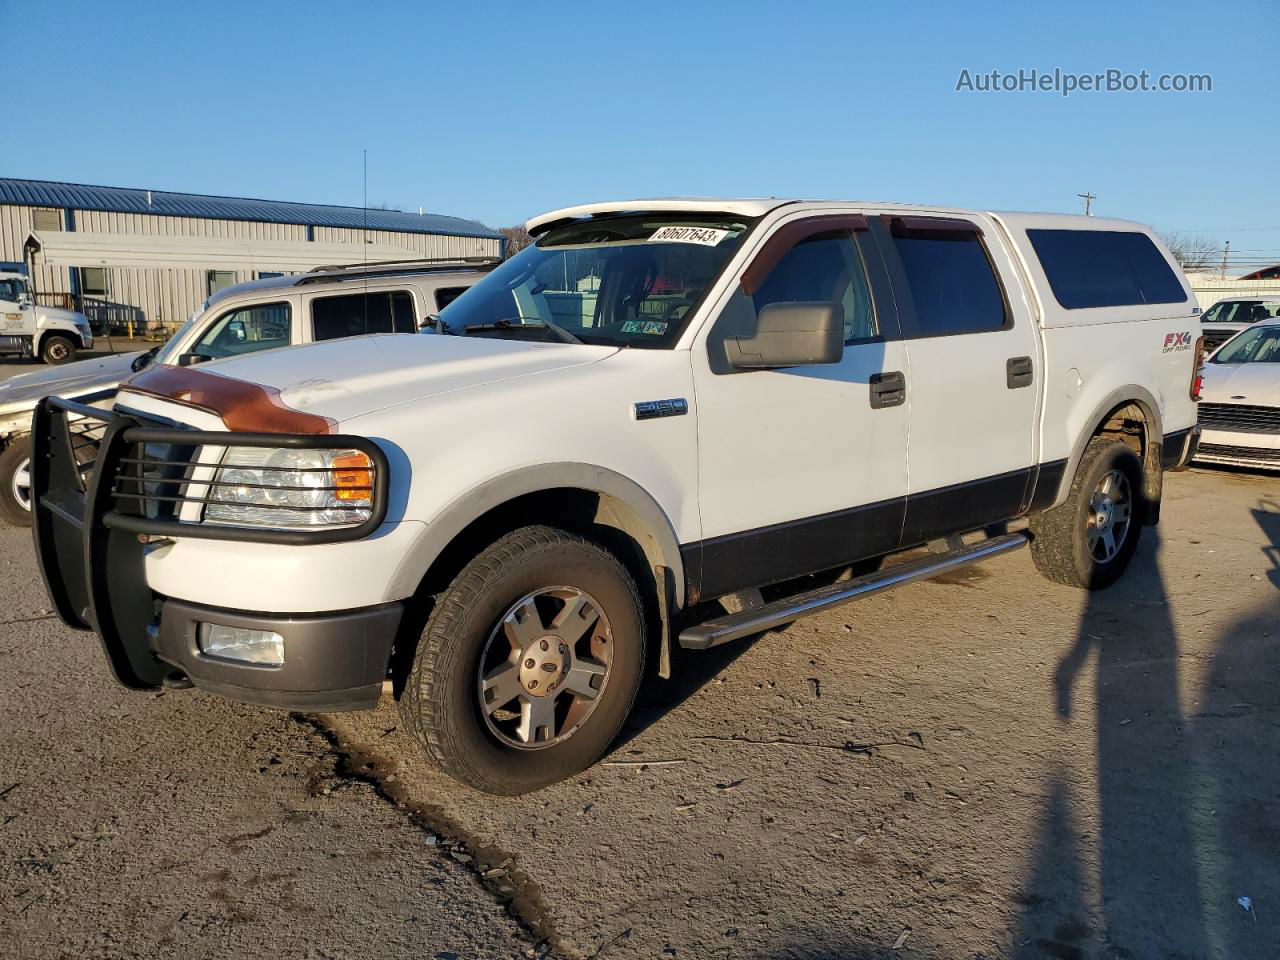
pixel 988 765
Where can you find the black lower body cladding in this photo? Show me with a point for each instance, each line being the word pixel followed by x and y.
pixel 333 661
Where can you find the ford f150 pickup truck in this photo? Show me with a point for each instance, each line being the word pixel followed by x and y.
pixel 658 404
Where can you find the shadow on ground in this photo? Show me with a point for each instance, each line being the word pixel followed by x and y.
pixel 1187 805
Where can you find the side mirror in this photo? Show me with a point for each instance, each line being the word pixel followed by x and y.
pixel 790 335
pixel 143 359
pixel 190 359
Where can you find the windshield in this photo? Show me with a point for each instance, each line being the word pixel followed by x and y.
pixel 628 281
pixel 1241 311
pixel 1259 345
pixel 162 355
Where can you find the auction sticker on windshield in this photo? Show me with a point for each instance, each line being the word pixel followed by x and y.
pixel 707 236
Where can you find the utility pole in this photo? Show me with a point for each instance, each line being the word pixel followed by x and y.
pixel 1088 199
pixel 1226 250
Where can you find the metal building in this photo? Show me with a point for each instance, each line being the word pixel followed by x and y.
pixel 158 299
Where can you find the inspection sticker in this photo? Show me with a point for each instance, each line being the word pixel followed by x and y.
pixel 706 236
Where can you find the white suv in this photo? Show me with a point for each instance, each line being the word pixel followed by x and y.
pixel 659 403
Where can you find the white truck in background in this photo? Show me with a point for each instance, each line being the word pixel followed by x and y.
pixel 50 334
pixel 659 404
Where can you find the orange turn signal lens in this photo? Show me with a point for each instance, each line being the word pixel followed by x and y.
pixel 353 476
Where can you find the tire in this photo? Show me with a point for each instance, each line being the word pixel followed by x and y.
pixel 15 483
pixel 476 633
pixel 56 349
pixel 1069 543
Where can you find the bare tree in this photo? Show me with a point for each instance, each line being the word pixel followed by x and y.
pixel 1192 252
pixel 517 239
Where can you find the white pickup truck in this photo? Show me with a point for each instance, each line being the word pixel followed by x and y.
pixel 51 334
pixel 659 404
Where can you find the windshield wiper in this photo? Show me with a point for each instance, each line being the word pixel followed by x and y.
pixel 510 323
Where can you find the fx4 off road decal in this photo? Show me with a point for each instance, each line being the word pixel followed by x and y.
pixel 1178 342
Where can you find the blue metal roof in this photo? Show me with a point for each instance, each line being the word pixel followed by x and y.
pixel 78 196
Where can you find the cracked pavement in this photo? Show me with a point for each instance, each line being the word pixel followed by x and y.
pixel 987 765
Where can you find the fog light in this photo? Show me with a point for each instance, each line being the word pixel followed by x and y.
pixel 237 643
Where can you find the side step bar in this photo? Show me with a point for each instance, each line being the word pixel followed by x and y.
pixel 758 619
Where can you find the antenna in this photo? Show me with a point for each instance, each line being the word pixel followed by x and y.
pixel 365 233
pixel 1088 199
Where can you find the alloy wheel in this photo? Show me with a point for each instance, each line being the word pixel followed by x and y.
pixel 1110 514
pixel 544 667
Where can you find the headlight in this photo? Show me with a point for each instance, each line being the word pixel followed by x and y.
pixel 262 486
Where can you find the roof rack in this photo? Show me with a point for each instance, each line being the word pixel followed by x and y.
pixel 386 267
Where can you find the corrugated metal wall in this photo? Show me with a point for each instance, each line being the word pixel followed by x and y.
pixel 168 297
pixel 1209 290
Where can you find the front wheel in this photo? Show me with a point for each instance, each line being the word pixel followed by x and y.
pixel 56 349
pixel 1088 540
pixel 15 482
pixel 529 663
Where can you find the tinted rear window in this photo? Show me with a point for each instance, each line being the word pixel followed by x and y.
pixel 361 313
pixel 953 286
pixel 1105 268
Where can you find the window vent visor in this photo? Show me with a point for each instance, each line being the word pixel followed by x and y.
pixel 788 236
pixel 936 228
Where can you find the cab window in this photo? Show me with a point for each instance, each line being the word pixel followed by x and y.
pixel 13 290
pixel 826 268
pixel 358 314
pixel 247 330
pixel 446 295
pixel 953 286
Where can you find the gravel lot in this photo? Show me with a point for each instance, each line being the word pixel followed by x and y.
pixel 988 765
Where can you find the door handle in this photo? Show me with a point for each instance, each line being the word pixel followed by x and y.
pixel 1018 372
pixel 888 390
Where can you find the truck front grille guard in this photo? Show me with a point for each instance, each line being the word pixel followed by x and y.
pixel 144 475
pixel 93 520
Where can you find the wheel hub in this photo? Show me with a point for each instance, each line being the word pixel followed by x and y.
pixel 544 664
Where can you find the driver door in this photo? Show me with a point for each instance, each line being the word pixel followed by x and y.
pixel 803 469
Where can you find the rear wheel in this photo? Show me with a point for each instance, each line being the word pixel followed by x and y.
pixel 1088 540
pixel 57 349
pixel 15 482
pixel 529 663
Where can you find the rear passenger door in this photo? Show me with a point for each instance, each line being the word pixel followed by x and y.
pixel 973 378
pixel 358 314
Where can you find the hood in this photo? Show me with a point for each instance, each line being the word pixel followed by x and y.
pixel 58 313
pixel 343 379
pixel 1250 383
pixel 71 380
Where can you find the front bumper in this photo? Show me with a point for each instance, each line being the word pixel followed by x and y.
pixel 331 662
pixel 92 542
pixel 1229 452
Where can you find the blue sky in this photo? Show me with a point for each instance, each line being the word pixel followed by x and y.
pixel 500 110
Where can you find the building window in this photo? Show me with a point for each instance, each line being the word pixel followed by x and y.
pixel 268 275
pixel 46 219
pixel 220 280
pixel 93 281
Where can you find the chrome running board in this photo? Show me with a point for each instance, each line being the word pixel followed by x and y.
pixel 758 619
